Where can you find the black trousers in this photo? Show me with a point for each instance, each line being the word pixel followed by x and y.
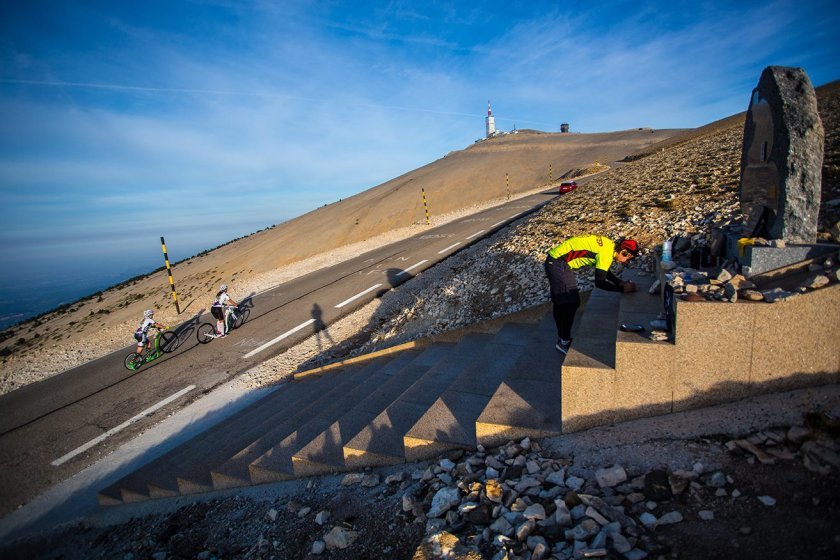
pixel 564 295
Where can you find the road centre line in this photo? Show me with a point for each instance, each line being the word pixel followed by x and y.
pixel 360 294
pixel 479 232
pixel 405 270
pixel 442 251
pixel 279 338
pixel 498 223
pixel 63 459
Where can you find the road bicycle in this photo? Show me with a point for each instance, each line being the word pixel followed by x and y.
pixel 234 318
pixel 165 342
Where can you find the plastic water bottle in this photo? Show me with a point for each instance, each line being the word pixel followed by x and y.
pixel 666 251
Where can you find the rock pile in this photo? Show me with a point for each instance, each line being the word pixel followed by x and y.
pixel 515 502
pixel 728 285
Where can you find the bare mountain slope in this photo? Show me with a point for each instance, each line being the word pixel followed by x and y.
pixel 462 179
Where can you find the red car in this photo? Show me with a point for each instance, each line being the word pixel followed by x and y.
pixel 567 186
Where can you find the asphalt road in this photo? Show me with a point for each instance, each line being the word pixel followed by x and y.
pixel 53 429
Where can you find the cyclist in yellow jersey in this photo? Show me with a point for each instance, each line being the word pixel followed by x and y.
pixel 578 252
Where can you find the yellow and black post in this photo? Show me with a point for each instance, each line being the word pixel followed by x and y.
pixel 169 272
pixel 550 174
pixel 426 206
pixel 507 185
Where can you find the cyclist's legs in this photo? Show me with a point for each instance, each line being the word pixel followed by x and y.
pixel 228 312
pixel 219 314
pixel 144 342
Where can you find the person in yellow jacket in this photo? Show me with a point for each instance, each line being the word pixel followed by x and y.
pixel 573 254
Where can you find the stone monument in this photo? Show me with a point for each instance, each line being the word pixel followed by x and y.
pixel 781 173
pixel 781 159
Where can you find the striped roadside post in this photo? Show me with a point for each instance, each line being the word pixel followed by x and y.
pixel 426 206
pixel 550 174
pixel 169 272
pixel 507 185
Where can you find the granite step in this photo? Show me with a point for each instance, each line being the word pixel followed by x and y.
pixel 450 421
pixel 194 463
pixel 325 453
pixel 276 463
pixel 380 442
pixel 134 486
pixel 527 401
pixel 232 472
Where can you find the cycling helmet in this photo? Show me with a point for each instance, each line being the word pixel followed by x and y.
pixel 148 313
pixel 630 246
pixel 223 288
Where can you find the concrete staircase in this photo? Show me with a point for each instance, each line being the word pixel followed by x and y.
pixel 501 380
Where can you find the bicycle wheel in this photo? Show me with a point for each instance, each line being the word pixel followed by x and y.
pixel 240 318
pixel 133 361
pixel 168 341
pixel 205 332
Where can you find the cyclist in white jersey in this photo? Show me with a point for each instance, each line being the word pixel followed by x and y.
pixel 218 309
pixel 142 332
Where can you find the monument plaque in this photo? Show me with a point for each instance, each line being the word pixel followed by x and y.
pixel 781 160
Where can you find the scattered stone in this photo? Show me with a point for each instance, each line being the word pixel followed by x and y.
pixel 670 518
pixel 493 490
pixel 763 457
pixel 777 294
pixel 612 476
pixel 752 295
pixel 444 499
pixel 340 538
pixel 352 478
pixel 816 281
pixel 535 511
pixel 706 515
pixel 395 478
pixel 318 547
pixel 767 500
pixel 370 480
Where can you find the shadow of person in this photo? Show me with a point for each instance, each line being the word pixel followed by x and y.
pixel 320 327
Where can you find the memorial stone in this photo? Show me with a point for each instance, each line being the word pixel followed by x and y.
pixel 781 160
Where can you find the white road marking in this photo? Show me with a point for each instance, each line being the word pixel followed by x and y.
pixel 279 338
pixel 442 251
pixel 360 294
pixel 498 223
pixel 61 460
pixel 479 232
pixel 405 271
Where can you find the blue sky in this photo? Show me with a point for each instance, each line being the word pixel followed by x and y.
pixel 207 120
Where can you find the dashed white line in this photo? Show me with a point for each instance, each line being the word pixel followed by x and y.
pixel 442 251
pixel 279 338
pixel 479 232
pixel 360 294
pixel 498 223
pixel 405 270
pixel 63 459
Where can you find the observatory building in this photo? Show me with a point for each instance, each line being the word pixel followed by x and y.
pixel 490 122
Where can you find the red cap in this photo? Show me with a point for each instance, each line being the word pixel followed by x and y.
pixel 629 245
